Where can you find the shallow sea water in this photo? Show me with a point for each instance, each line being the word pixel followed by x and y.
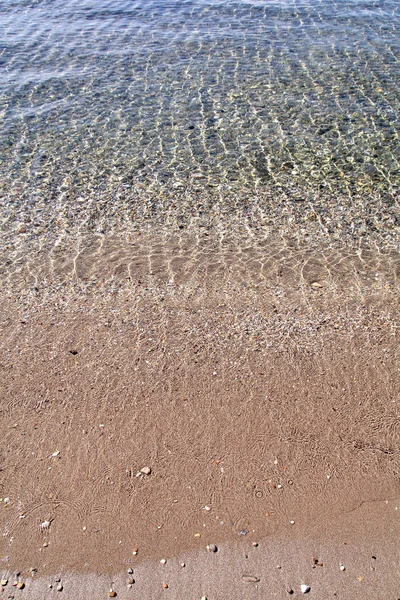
pixel 199 253
pixel 121 116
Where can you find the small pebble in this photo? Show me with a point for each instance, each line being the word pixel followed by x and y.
pixel 304 588
pixel 183 565
pixel 135 551
pixel 130 571
pixel 292 522
pixel 20 585
pixel 60 587
pixel 250 579
pixel 145 470
pixel 243 532
pixel 163 561
pixel 342 568
pixel 4 582
pixel 45 545
pixel 290 592
pixel 255 544
pixel 212 548
pixel 165 586
pixel 130 581
pixel 112 594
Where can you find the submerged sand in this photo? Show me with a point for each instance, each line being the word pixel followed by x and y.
pixel 259 384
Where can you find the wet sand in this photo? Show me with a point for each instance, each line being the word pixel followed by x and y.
pixel 354 555
pixel 260 386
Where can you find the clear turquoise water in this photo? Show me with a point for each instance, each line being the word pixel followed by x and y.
pixel 102 100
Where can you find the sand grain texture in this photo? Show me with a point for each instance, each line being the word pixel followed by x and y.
pixel 265 412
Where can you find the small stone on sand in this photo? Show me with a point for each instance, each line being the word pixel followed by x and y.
pixel 4 582
pixel 20 585
pixel 145 470
pixel 250 579
pixel 165 586
pixel 212 548
pixel 112 594
pixel 60 587
pixel 304 588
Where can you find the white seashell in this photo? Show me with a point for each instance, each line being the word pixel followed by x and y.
pixel 45 525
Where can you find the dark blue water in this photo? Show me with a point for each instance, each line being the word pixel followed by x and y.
pixel 102 100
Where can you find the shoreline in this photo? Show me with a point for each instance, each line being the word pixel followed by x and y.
pixel 354 554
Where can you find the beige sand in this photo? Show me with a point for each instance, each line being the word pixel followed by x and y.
pixel 255 403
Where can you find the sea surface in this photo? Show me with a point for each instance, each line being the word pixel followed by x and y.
pixel 119 113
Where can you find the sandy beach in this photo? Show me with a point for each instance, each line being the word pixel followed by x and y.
pixel 199 299
pixel 247 399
